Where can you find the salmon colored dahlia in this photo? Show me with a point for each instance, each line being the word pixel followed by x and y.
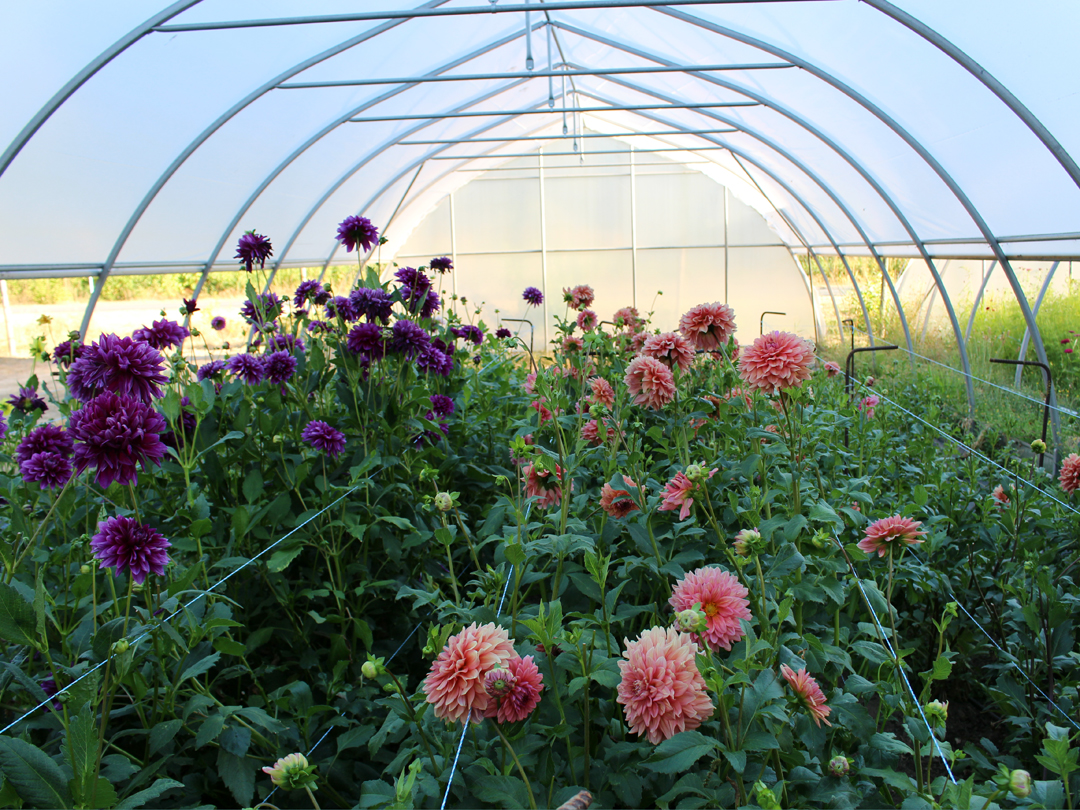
pixel 708 326
pixel 602 392
pixel 573 345
pixel 587 320
pixel 775 362
pixel 831 368
pixel 882 534
pixel 1070 474
pixel 1000 495
pixel 617 502
pixel 661 689
pixel 523 687
pixel 651 383
pixel 678 494
pixel 671 349
pixel 597 432
pixel 541 484
pixel 722 598
pixel 455 685
pixel 808 692
pixel 629 318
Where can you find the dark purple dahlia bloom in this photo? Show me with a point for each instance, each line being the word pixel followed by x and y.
pixel 315 327
pixel 49 470
pixel 341 307
pixel 264 310
pixel 67 353
pixel 114 434
pixel 47 438
pixel 48 686
pixel 430 436
pixel 123 366
pixel 441 265
pixel 252 248
pixel 123 542
pixel 502 333
pixel 441 404
pixel 430 305
pixel 188 423
pixel 27 400
pixel 533 296
pixel 306 291
pixel 409 339
pixel 211 371
pixel 414 281
pixel 469 332
pixel 367 339
pixel 190 306
pixel 355 231
pixel 323 437
pixel 217 323
pixel 248 367
pixel 280 367
pixel 286 343
pixel 373 303
pixel 3 425
pixel 164 334
pixel 431 359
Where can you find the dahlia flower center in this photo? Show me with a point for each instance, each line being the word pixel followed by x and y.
pixel 711 609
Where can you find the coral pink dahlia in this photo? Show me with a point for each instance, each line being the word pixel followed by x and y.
pixel 587 320
pixel 455 685
pixel 1070 474
pixel 617 502
pixel 671 349
pixel 661 689
pixel 651 383
pixel 831 368
pixel 722 598
pixel 678 494
pixel 540 484
pixel 776 361
pixel 579 297
pixel 882 534
pixel 708 326
pixel 1000 495
pixel 602 392
pixel 808 692
pixel 523 685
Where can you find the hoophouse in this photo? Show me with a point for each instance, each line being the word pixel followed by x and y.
pixel 705 150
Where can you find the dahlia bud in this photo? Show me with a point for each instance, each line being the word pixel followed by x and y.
pixel 1020 784
pixel 937 712
pixel 692 620
pixel 372 668
pixel 119 647
pixel 747 542
pixel 84 569
pixel 596 410
pixel 444 502
pixel 695 472
pixel 766 799
pixel 1037 446
pixel 839 766
pixel 291 772
pixel 499 683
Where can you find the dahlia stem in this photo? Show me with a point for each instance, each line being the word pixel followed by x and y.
pixel 415 722
pixel 30 545
pixel 312 797
pixel 453 578
pixel 517 762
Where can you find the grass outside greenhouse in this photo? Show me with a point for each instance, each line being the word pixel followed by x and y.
pixel 382 557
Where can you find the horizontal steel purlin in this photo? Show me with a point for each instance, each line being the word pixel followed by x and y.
pixel 553 111
pixel 555 137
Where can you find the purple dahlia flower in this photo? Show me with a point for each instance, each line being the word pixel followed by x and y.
pixel 163 334
pixel 123 542
pixel 3 425
pixel 355 231
pixel 47 438
pixel 431 359
pixel 469 332
pixel 341 307
pixel 430 305
pixel 533 296
pixel 286 343
pixel 307 291
pixel 414 281
pixel 190 306
pixel 409 340
pixel 248 367
pixel 217 323
pixel 264 310
pixel 367 339
pixel 67 353
pixel 373 303
pixel 251 248
pixel 323 437
pixel 441 265
pixel 122 366
pixel 211 371
pixel 114 434
pixel 502 333
pixel 49 470
pixel 441 404
pixel 315 327
pixel 27 400
pixel 280 367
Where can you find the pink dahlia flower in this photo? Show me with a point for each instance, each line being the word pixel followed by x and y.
pixel 708 326
pixel 1070 474
pixel 539 484
pixel 521 692
pixel 595 433
pixel 678 494
pixel 1000 495
pixel 530 383
pixel 882 534
pixel 628 318
pixel 573 345
pixel 671 349
pixel 831 368
pixel 775 362
pixel 587 320
pixel 651 383
pixel 808 692
pixel 868 404
pixel 617 502
pixel 722 598
pixel 602 392
pixel 661 689
pixel 579 297
pixel 455 685
pixel 739 393
pixel 541 409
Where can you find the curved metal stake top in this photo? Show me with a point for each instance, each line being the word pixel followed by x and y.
pixel 761 322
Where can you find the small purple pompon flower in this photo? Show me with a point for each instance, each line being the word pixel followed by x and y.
pixel 124 543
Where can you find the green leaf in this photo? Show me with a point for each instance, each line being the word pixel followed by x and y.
pixel 17 619
pixel 499 790
pixel 253 486
pixel 678 753
pixel 824 513
pixel 209 730
pixel 515 553
pixel 39 603
pixel 238 774
pixel 236 740
pixel 163 733
pixel 200 666
pixel 80 749
pixel 283 557
pixel 889 742
pixel 229 647
pixel 399 522
pixel 38 780
pixel 103 795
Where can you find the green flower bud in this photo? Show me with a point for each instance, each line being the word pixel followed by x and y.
pixel 373 668
pixel 765 797
pixel 1020 784
pixel 84 569
pixel 120 646
pixel 695 473
pixel 692 620
pixel 1037 446
pixel 937 712
pixel 292 772
pixel 748 542
pixel 839 766
pixel 444 502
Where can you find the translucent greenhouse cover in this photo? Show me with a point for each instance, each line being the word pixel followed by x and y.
pixel 141 139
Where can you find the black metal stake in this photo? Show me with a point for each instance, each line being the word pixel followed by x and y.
pixel 1049 388
pixel 849 370
pixel 761 321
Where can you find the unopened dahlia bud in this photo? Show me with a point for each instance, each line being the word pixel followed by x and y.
pixel 691 620
pixel 839 766
pixel 444 502
pixel 766 799
pixel 1037 446
pixel 596 410
pixel 84 569
pixel 120 646
pixel 937 712
pixel 747 542
pixel 1020 784
pixel 369 670
pixel 695 472
pixel 291 772
pixel 499 683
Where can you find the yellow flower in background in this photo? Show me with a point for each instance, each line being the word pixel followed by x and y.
pixel 44 320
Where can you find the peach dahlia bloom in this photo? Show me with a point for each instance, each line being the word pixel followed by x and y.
pixel 587 320
pixel 678 494
pixel 775 362
pixel 602 392
pixel 524 683
pixel 831 368
pixel 671 349
pixel 809 693
pixel 651 383
pixel 579 297
pixel 1000 495
pixel 629 318
pixel 455 685
pixel 1070 474
pixel 617 502
pixel 661 689
pixel 882 534
pixel 708 326
pixel 541 484
pixel 722 598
